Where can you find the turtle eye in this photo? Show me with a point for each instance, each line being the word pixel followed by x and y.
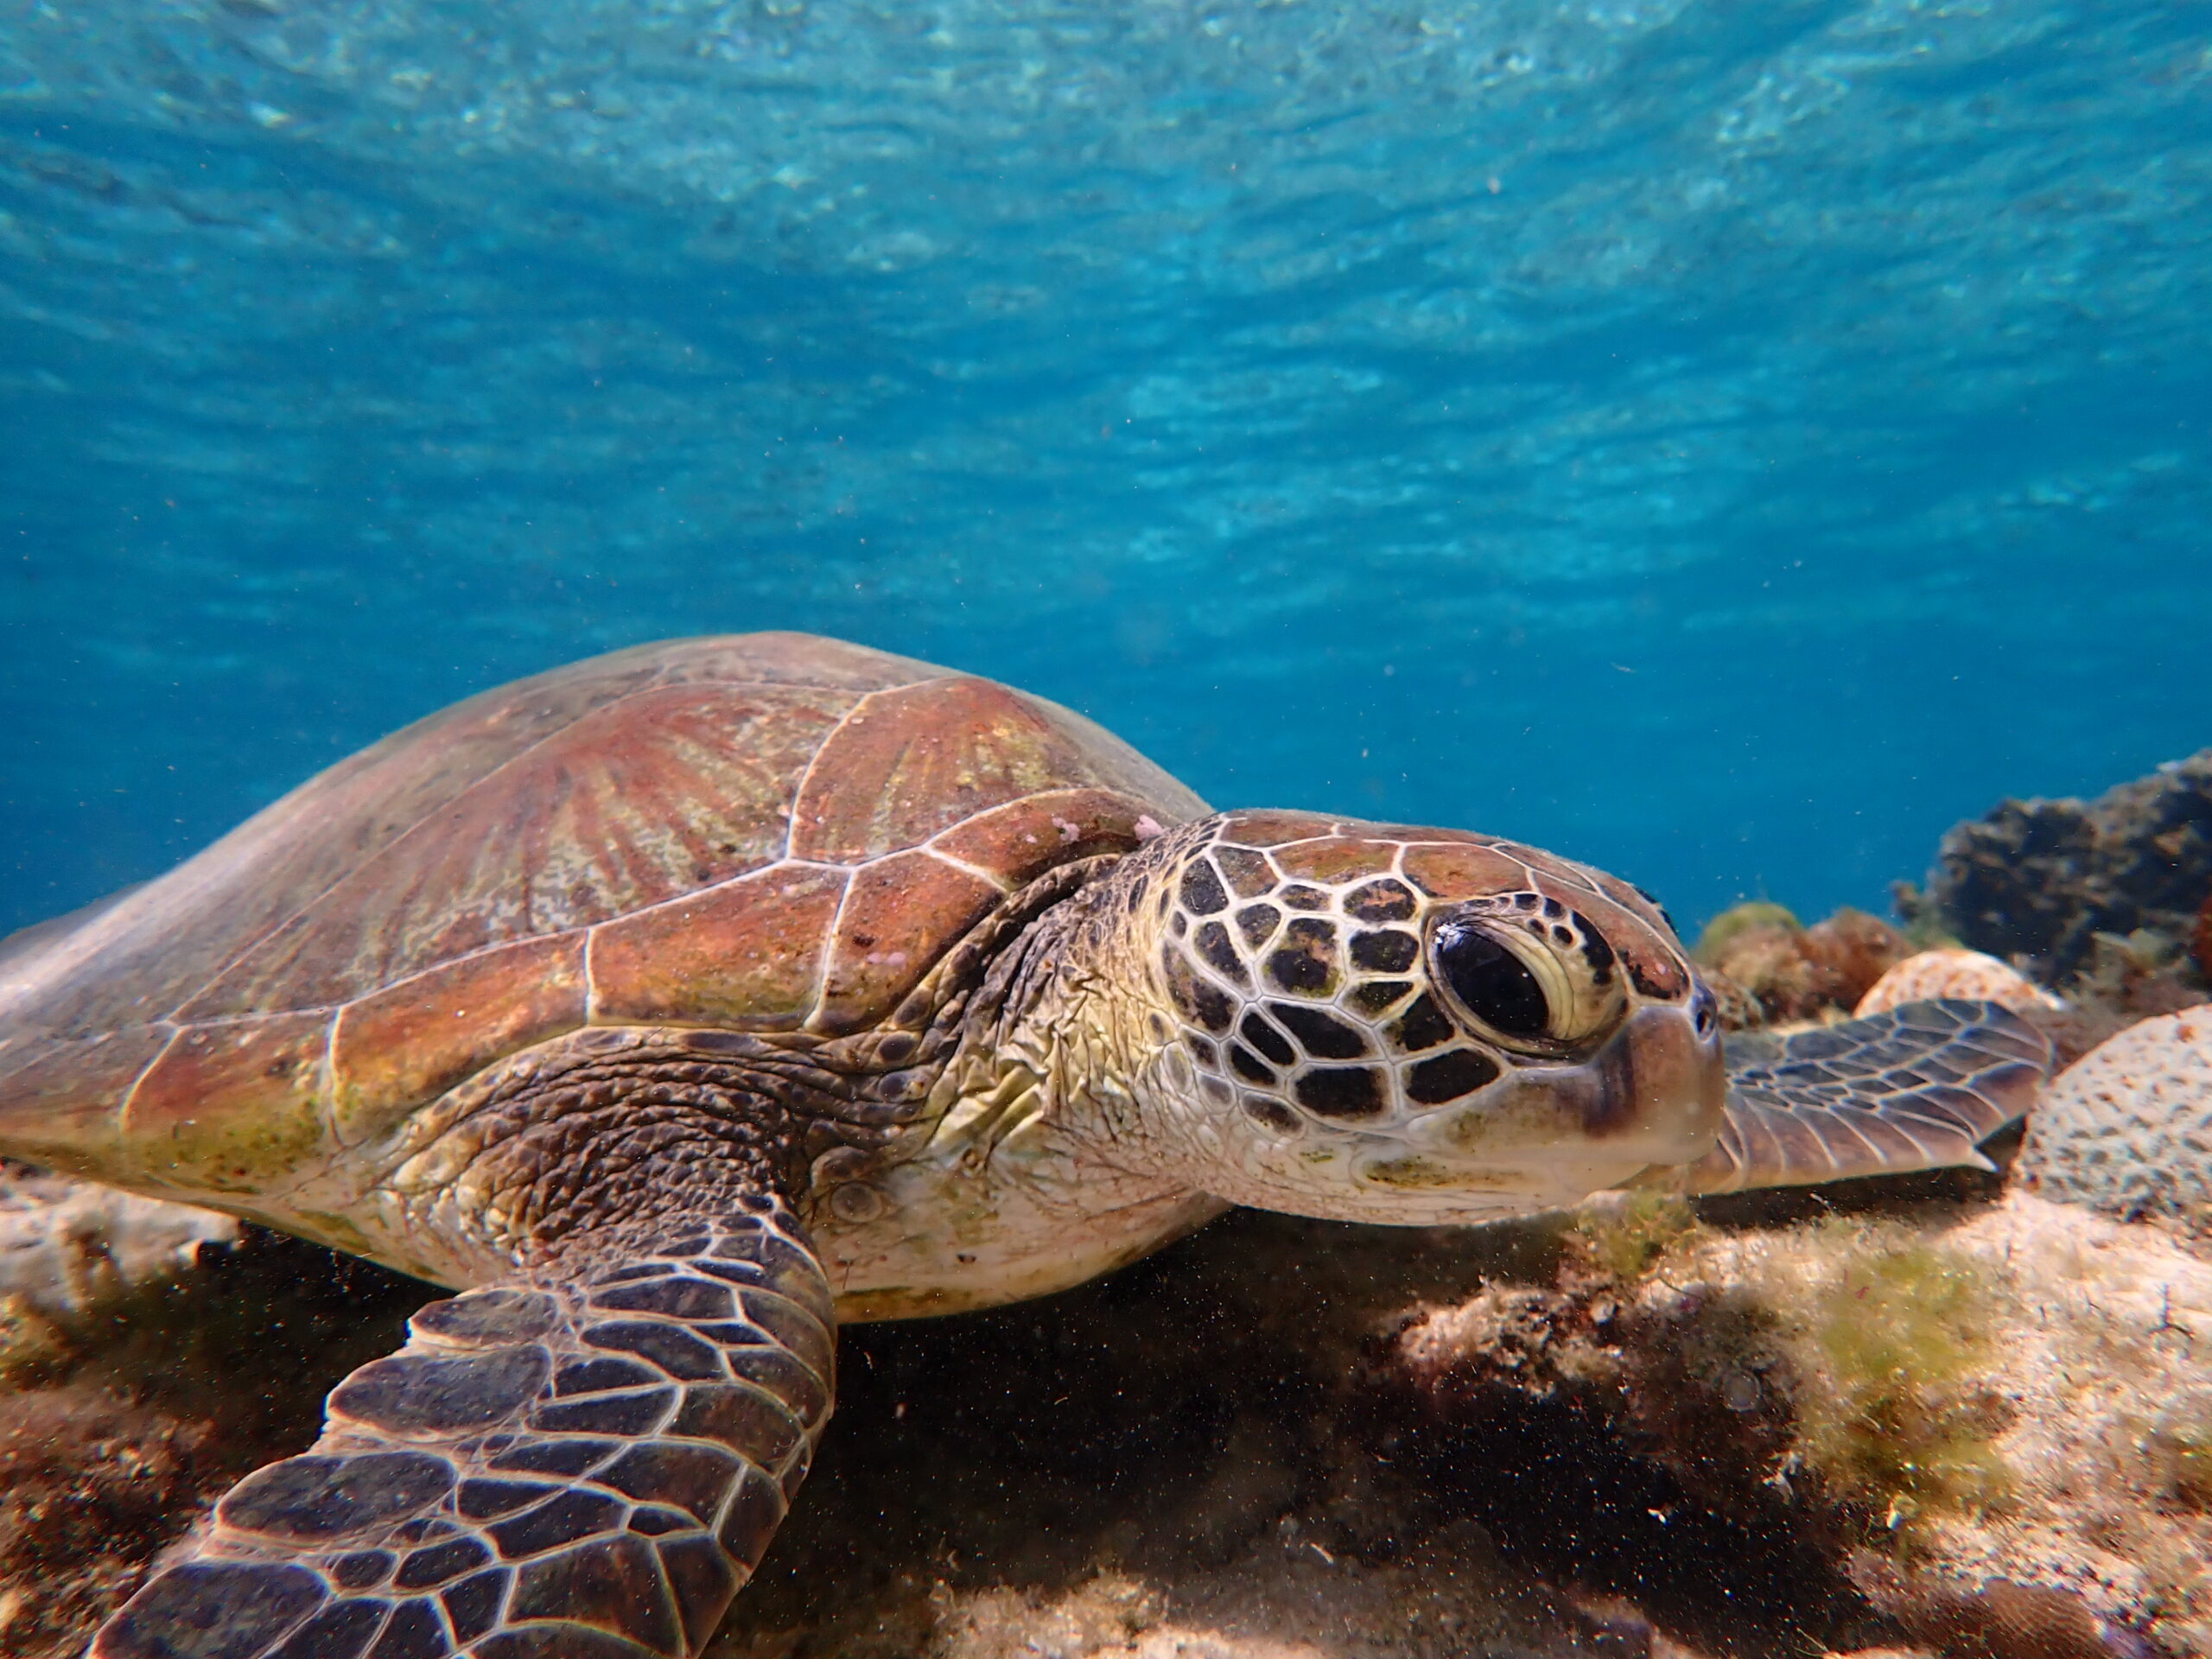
pixel 1492 983
pixel 1527 972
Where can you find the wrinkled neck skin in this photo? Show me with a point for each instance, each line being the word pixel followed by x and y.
pixel 1032 1170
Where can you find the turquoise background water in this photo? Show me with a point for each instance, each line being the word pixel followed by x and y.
pixel 1725 442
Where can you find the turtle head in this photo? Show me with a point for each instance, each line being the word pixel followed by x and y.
pixel 1376 1022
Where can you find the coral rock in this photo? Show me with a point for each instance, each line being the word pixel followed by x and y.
pixel 2127 1129
pixel 65 1243
pixel 1955 973
pixel 1999 1409
pixel 2042 879
pixel 1798 972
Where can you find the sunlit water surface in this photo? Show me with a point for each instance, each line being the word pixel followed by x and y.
pixel 1727 442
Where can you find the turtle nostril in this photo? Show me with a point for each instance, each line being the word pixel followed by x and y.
pixel 1704 1012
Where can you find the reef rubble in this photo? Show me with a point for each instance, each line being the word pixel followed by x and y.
pixel 66 1244
pixel 1894 1416
pixel 1938 1395
pixel 2044 880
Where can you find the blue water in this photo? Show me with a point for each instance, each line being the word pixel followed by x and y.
pixel 1725 442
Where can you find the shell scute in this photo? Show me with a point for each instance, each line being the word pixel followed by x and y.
pixel 61 1099
pixel 416 1038
pixel 1024 838
pixel 782 658
pixel 748 954
pixel 228 1108
pixel 669 789
pixel 910 763
pixel 154 951
pixel 901 914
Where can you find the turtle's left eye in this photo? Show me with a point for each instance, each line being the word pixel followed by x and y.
pixel 1492 983
pixel 1529 975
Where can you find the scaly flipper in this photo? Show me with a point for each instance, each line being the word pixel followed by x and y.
pixel 546 1470
pixel 1918 1087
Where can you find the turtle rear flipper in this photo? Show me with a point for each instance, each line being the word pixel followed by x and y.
pixel 1918 1087
pixel 580 1471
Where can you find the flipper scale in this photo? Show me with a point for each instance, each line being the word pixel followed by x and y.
pixel 528 1477
pixel 1919 1086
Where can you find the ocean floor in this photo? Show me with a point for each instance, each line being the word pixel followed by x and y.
pixel 1928 1415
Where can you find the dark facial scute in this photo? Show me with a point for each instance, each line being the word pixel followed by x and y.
pixel 1213 943
pixel 1385 900
pixel 1422 1026
pixel 1376 995
pixel 1213 1006
pixel 1651 984
pixel 1597 953
pixel 1449 1076
pixel 1201 893
pixel 1197 996
pixel 1265 1037
pixel 1258 922
pixel 1387 952
pixel 1270 1114
pixel 1250 1065
pixel 1320 1034
pixel 1341 1091
pixel 1305 962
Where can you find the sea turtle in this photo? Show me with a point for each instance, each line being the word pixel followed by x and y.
pixel 678 1005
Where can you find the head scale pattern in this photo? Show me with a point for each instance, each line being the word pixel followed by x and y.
pixel 1335 978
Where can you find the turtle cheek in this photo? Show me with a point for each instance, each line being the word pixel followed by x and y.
pixel 1652 1094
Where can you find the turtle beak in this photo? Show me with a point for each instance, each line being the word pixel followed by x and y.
pixel 1655 1091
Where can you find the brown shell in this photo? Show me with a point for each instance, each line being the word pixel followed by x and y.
pixel 762 832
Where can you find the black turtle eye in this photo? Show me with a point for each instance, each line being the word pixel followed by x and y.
pixel 1492 983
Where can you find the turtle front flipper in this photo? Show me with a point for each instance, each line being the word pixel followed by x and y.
pixel 584 1470
pixel 1918 1087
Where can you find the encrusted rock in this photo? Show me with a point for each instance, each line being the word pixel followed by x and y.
pixel 1789 972
pixel 1993 1418
pixel 1955 973
pixel 2127 1129
pixel 65 1243
pixel 2043 877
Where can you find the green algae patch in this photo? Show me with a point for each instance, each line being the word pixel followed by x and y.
pixel 1894 1397
pixel 1626 1242
pixel 238 1156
